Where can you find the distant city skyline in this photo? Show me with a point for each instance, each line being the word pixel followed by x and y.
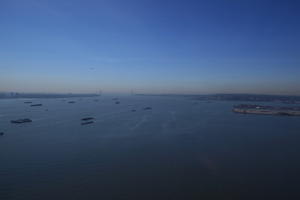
pixel 162 47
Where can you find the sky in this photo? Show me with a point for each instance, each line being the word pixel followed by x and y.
pixel 150 46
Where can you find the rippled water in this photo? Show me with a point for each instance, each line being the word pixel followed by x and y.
pixel 181 149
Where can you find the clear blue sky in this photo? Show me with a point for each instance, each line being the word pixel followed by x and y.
pixel 163 46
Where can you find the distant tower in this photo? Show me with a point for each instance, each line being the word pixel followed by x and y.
pixel 100 92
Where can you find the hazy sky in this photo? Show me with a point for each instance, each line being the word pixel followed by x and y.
pixel 163 46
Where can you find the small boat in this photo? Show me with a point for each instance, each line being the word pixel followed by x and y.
pixel 87 118
pixel 36 105
pixel 20 121
pixel 88 122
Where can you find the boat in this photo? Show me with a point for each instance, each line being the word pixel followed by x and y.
pixel 20 121
pixel 33 105
pixel 88 122
pixel 87 118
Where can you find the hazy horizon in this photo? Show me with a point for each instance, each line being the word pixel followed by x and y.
pixel 161 47
pixel 143 93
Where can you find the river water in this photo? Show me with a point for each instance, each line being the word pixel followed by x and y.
pixel 180 149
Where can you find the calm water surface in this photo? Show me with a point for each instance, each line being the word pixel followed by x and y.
pixel 181 149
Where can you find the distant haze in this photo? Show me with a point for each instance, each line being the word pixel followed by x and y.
pixel 159 46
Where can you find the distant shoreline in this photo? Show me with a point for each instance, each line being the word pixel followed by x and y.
pixel 288 99
pixel 38 95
